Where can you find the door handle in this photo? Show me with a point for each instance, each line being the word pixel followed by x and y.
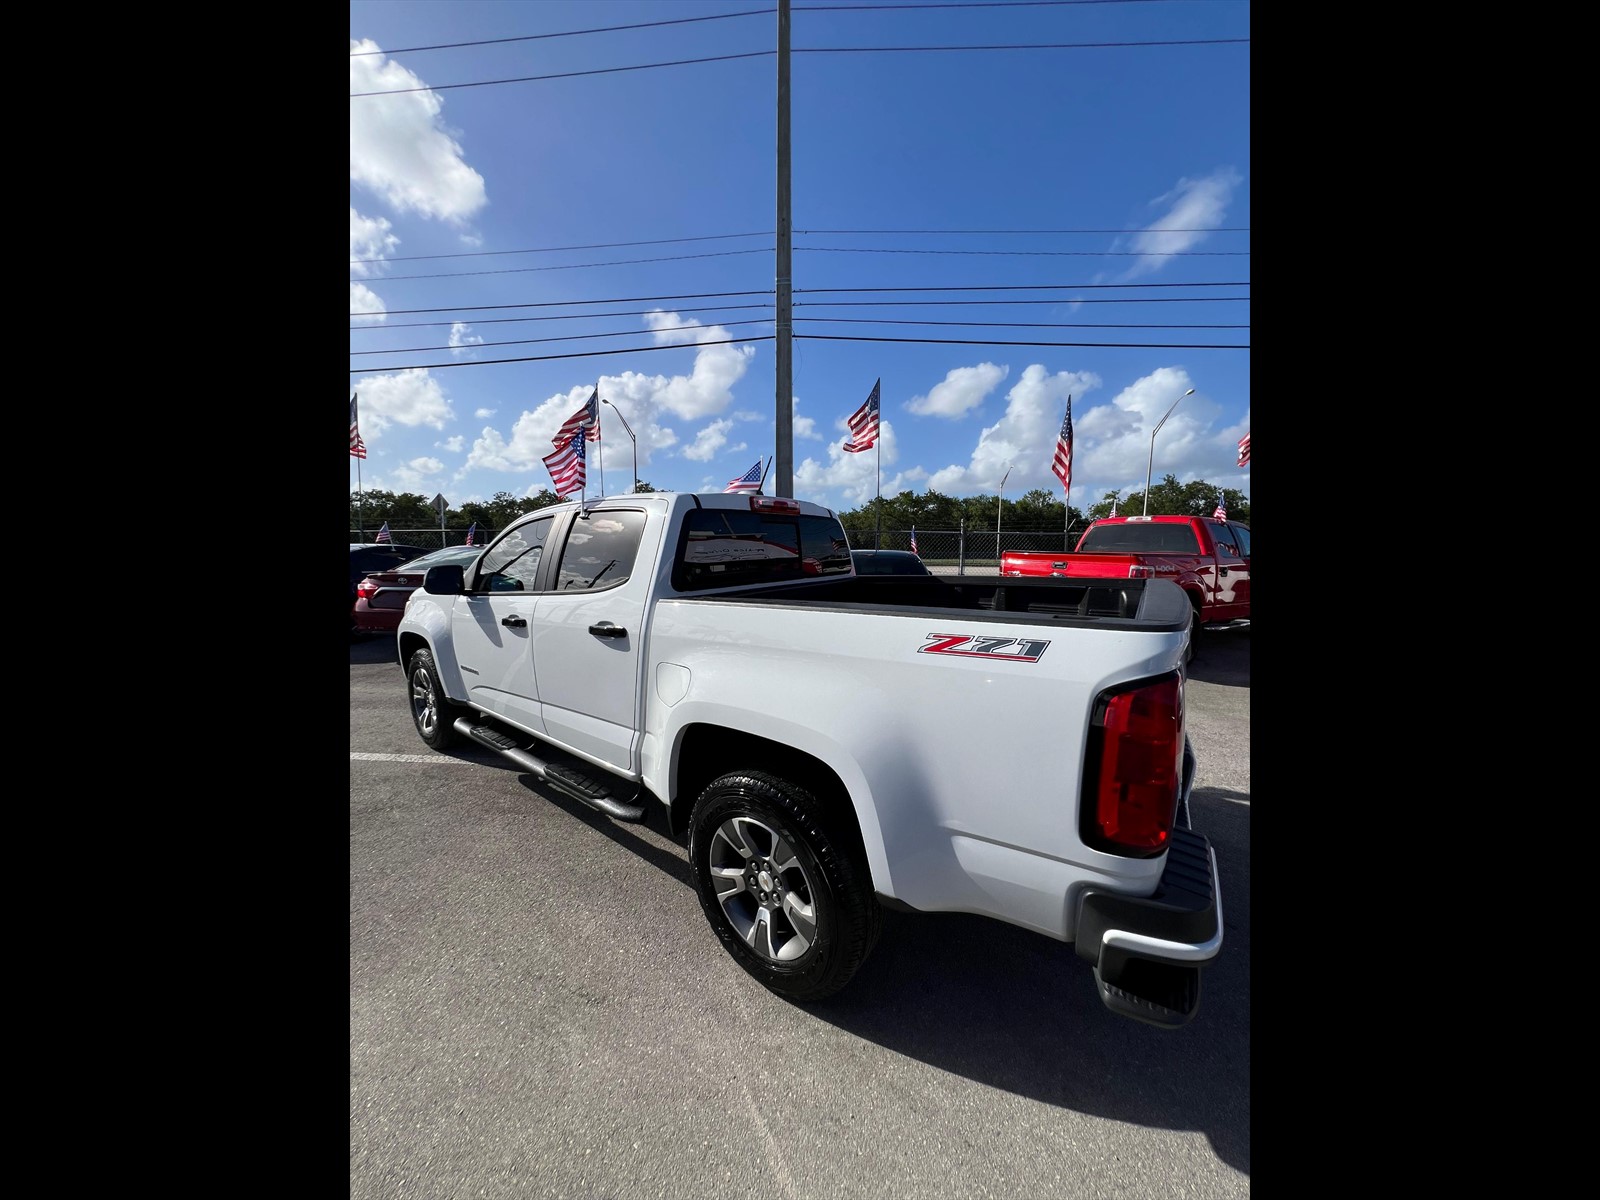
pixel 513 622
pixel 607 629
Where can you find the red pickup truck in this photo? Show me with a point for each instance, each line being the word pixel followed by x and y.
pixel 1208 558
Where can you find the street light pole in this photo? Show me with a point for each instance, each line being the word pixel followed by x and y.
pixel 998 501
pixel 1151 461
pixel 631 438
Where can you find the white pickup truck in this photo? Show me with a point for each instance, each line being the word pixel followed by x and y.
pixel 827 743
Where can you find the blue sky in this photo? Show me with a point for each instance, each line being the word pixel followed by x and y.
pixel 630 203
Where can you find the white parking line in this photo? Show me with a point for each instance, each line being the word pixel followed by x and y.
pixel 422 758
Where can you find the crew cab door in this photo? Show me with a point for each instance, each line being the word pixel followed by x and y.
pixel 491 625
pixel 589 633
pixel 1232 594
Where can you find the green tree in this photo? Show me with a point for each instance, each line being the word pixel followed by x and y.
pixel 1196 499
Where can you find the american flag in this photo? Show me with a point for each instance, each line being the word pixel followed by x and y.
pixel 1221 512
pixel 914 541
pixel 472 532
pixel 1244 450
pixel 750 481
pixel 864 424
pixel 566 466
pixel 1061 464
pixel 587 417
pixel 357 446
pixel 383 534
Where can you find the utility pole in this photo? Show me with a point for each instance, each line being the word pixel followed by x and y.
pixel 783 477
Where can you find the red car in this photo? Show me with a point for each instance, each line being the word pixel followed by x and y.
pixel 381 596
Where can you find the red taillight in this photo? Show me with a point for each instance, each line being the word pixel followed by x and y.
pixel 1139 572
pixel 366 589
pixel 1135 768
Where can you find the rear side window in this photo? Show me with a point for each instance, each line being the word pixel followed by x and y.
pixel 601 550
pixel 723 547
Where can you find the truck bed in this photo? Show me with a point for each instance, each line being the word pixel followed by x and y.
pixel 1144 603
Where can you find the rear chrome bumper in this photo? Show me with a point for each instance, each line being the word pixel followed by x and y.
pixel 1147 951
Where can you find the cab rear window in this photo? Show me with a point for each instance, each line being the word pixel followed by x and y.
pixel 724 547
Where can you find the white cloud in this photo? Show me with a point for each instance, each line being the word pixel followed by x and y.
pixel 710 441
pixel 483 414
pixel 962 390
pixel 370 238
pixel 461 337
pixel 1193 204
pixel 453 444
pixel 365 305
pixel 648 403
pixel 400 149
pixel 410 398
pixel 1023 440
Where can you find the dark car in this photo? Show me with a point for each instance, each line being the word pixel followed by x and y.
pixel 888 562
pixel 366 557
pixel 381 596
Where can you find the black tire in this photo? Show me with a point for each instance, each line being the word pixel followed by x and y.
pixel 796 910
pixel 432 714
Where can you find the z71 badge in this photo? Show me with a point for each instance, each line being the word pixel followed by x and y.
pixel 964 646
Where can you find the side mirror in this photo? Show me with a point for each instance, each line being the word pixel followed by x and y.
pixel 444 581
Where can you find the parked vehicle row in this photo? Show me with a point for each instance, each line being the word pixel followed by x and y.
pixel 366 557
pixel 381 596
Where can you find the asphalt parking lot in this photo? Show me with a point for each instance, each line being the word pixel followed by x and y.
pixel 538 1008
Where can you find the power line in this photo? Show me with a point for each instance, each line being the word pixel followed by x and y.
pixel 1147 229
pixel 534 37
pixel 1007 324
pixel 687 62
pixel 1038 253
pixel 1010 46
pixel 682 62
pixel 1043 287
pixel 974 4
pixel 1055 300
pixel 712 237
pixel 566 337
pixel 620 262
pixel 640 312
pixel 1023 287
pixel 491 362
pixel 579 337
pixel 841 337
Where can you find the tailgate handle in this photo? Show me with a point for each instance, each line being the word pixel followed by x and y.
pixel 607 629
pixel 513 622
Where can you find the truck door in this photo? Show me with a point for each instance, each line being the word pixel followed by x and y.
pixel 588 634
pixel 1233 571
pixel 491 626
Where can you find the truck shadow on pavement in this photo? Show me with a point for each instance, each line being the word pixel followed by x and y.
pixel 1223 658
pixel 1018 1011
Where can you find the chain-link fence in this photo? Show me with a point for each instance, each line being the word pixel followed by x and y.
pixel 946 551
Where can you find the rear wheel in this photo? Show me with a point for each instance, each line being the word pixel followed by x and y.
pixel 784 891
pixel 432 713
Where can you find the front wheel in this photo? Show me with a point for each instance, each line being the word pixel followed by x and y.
pixel 788 898
pixel 432 713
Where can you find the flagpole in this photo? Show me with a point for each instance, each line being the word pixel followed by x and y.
pixel 760 486
pixel 361 499
pixel 877 445
pixel 600 442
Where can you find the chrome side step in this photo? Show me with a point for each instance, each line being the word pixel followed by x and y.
pixel 579 785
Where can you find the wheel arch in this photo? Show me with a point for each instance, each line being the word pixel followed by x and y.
pixel 708 751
